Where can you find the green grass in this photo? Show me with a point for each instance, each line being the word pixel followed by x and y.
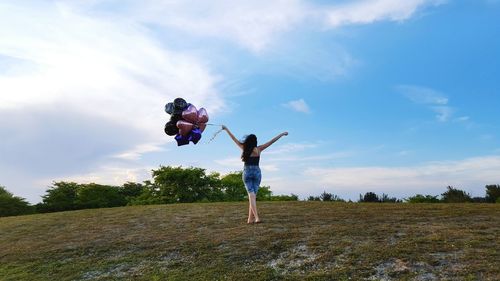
pixel 297 241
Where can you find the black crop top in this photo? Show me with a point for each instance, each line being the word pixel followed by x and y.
pixel 252 161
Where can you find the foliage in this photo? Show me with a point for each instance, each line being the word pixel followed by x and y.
pixel 328 197
pixel 61 196
pixel 369 197
pixel 233 187
pixel 419 198
pixel 479 200
pixel 99 196
pixel 291 197
pixel 183 185
pixel 264 193
pixel 492 193
pixel 313 198
pixel 131 190
pixel 11 205
pixel 386 199
pixel 149 195
pixel 453 195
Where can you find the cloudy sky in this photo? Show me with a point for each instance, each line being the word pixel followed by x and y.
pixel 390 96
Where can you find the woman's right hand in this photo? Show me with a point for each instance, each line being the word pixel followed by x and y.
pixel 284 133
pixel 224 127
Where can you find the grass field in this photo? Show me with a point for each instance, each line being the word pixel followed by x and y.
pixel 296 241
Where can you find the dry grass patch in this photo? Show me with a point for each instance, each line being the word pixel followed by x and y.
pixel 297 241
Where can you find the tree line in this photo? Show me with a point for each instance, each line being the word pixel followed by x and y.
pixel 187 185
pixel 168 185
pixel 451 195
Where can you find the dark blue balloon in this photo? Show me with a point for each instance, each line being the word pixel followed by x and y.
pixel 182 140
pixel 195 135
pixel 169 108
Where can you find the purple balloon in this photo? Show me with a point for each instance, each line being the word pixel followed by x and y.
pixel 190 114
pixel 182 140
pixel 195 135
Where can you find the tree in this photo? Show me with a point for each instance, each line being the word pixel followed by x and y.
pixel 313 198
pixel 264 193
pixel 150 195
pixel 183 185
pixel 326 196
pixel 99 196
pixel 369 197
pixel 233 187
pixel 11 205
pixel 386 199
pixel 492 193
pixel 131 190
pixel 453 195
pixel 61 196
pixel 419 198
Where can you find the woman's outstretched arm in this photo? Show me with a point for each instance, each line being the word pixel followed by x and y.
pixel 267 144
pixel 236 141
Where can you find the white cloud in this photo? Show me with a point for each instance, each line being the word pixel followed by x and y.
pixel 251 24
pixel 368 11
pixel 470 174
pixel 423 95
pixel 298 105
pixel 96 66
pixel 257 24
pixel 434 100
pixel 115 174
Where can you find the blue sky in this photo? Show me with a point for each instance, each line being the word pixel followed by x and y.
pixel 396 97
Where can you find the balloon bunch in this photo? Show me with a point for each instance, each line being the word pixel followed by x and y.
pixel 186 122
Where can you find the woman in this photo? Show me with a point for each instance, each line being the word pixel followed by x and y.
pixel 251 172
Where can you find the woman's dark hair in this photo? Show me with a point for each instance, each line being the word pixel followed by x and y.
pixel 248 145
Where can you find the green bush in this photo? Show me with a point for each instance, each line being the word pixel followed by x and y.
pixel 99 196
pixel 419 198
pixel 11 205
pixel 453 195
pixel 492 192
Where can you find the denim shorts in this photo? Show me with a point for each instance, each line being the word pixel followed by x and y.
pixel 251 178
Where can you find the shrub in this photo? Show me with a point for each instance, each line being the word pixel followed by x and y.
pixel 369 197
pixel 61 196
pixel 291 197
pixel 453 195
pixel 492 192
pixel 11 205
pixel 419 198
pixel 99 196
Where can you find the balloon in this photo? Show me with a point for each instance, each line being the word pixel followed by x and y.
pixel 180 103
pixel 190 114
pixel 169 108
pixel 195 135
pixel 186 122
pixel 171 128
pixel 202 127
pixel 181 140
pixel 184 127
pixel 202 115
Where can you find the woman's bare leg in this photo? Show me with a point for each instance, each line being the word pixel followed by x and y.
pixel 253 204
pixel 250 212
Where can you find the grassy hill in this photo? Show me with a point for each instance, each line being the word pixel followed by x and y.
pixel 297 241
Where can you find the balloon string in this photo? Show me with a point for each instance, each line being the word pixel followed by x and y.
pixel 210 124
pixel 213 137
